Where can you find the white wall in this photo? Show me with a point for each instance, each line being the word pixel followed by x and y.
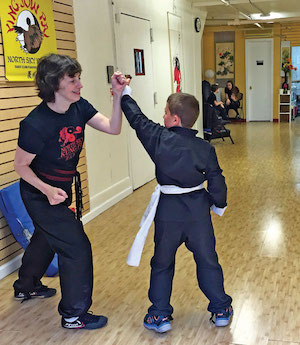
pixel 107 156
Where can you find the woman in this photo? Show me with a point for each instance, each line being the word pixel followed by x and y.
pixel 232 96
pixel 50 141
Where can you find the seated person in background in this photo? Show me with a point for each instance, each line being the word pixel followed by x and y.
pixel 232 97
pixel 212 99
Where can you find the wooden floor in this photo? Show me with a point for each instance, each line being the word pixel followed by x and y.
pixel 258 242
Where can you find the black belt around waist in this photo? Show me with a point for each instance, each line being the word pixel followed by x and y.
pixel 78 194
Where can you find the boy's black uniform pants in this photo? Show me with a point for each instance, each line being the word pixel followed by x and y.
pixel 57 231
pixel 199 238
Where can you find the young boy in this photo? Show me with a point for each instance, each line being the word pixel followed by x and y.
pixel 212 99
pixel 183 162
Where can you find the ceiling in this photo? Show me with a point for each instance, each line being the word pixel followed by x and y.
pixel 245 12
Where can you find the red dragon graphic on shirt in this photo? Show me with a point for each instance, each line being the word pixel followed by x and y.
pixel 71 141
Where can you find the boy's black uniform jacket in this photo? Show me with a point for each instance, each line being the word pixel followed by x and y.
pixel 180 159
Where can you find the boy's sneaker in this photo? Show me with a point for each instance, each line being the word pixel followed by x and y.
pixel 222 319
pixel 40 292
pixel 158 323
pixel 86 321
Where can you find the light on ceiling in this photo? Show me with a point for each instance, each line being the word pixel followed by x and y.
pixel 272 15
pixel 265 15
pixel 226 2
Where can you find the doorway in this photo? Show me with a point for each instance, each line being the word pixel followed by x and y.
pixel 135 58
pixel 259 79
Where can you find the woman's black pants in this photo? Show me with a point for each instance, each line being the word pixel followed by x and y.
pixel 57 231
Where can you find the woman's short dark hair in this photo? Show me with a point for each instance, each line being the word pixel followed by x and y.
pixel 185 106
pixel 50 70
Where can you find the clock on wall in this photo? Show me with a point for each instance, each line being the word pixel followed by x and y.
pixel 197 23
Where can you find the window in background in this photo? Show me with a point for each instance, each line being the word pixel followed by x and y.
pixel 295 85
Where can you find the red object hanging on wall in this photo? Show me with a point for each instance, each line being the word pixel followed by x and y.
pixel 177 75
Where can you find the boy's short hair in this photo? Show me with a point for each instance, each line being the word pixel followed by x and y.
pixel 214 87
pixel 50 70
pixel 185 106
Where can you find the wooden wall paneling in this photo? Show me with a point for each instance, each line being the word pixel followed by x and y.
pixel 7 125
pixel 4 232
pixel 2 220
pixel 17 99
pixel 63 35
pixel 8 135
pixel 68 45
pixel 62 17
pixel 9 252
pixel 291 32
pixel 8 114
pixel 70 53
pixel 18 92
pixel 65 2
pixel 66 27
pixel 4 168
pixel 8 177
pixel 8 103
pixel 8 146
pixel 7 157
pixel 61 8
pixel 7 241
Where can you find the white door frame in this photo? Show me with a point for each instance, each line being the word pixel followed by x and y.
pixel 117 12
pixel 247 41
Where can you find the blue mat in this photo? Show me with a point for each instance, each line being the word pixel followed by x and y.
pixel 21 226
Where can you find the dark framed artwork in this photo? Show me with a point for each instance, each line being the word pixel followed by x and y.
pixel 139 62
pixel 225 60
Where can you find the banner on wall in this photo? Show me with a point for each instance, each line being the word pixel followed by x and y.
pixel 28 34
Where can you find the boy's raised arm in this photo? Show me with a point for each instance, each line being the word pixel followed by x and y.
pixel 147 131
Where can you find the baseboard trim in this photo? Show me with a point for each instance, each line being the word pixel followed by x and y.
pixel 10 266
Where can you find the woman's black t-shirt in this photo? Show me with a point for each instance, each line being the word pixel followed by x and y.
pixel 56 140
pixel 229 92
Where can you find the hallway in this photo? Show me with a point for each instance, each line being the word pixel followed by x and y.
pixel 258 245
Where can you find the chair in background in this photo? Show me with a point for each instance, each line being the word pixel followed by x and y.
pixel 241 107
pixel 213 126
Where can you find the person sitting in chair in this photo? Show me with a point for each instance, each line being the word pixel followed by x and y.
pixel 212 99
pixel 232 97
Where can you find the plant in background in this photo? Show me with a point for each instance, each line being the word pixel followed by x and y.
pixel 287 66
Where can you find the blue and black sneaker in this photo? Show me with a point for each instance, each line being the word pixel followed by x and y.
pixel 222 318
pixel 158 323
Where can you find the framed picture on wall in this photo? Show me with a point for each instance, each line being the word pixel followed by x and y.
pixel 139 62
pixel 225 60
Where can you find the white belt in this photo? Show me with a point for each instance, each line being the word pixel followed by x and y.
pixel 136 250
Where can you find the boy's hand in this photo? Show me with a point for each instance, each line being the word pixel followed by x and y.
pixel 118 82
